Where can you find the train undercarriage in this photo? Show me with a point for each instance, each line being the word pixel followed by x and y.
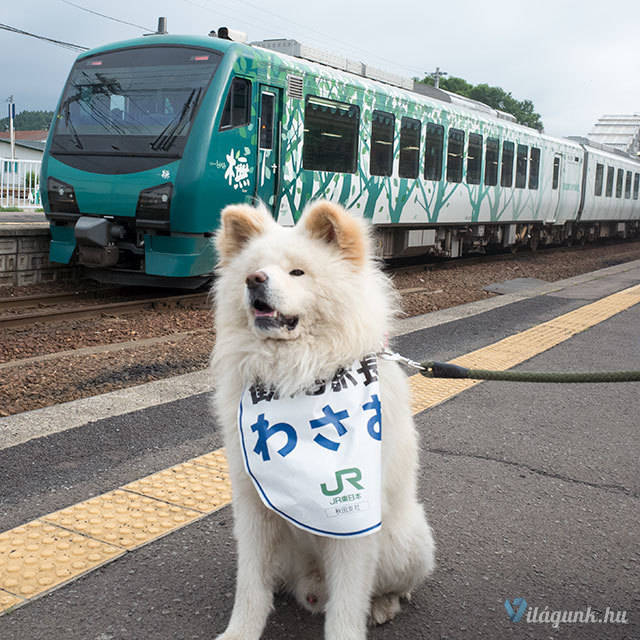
pixel 455 240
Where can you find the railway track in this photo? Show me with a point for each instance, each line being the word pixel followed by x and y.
pixel 49 299
pixel 83 308
pixel 87 311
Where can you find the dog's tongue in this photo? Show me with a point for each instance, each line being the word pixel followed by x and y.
pixel 264 314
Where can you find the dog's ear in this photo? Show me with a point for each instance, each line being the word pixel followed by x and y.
pixel 239 223
pixel 330 223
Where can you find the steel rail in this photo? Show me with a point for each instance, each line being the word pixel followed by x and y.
pixel 26 319
pixel 48 299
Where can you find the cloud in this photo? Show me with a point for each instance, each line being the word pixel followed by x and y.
pixel 575 62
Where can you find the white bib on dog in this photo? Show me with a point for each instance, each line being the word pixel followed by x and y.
pixel 315 458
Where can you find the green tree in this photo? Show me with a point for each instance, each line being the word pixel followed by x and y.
pixel 523 110
pixel 29 121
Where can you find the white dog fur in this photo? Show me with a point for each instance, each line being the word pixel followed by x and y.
pixel 343 305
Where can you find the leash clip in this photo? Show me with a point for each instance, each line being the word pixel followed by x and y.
pixel 394 356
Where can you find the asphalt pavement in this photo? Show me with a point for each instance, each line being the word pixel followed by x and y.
pixel 532 491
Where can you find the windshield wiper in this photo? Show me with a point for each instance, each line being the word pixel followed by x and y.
pixel 67 120
pixel 169 134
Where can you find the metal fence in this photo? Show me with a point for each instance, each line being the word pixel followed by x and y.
pixel 20 183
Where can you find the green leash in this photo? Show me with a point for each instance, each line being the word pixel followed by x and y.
pixel 445 370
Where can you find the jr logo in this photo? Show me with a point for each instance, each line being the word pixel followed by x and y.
pixel 352 475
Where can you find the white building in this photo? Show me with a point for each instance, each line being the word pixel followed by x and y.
pixel 25 149
pixel 621 132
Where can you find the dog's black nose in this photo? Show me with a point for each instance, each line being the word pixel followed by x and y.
pixel 256 279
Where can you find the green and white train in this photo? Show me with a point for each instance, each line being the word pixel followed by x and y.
pixel 154 136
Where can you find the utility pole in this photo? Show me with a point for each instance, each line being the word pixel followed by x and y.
pixel 12 135
pixel 436 75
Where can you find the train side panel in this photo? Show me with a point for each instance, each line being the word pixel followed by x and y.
pixel 392 200
pixel 604 201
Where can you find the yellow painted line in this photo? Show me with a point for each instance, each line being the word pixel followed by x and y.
pixel 50 551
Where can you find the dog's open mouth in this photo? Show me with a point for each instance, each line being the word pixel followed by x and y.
pixel 269 318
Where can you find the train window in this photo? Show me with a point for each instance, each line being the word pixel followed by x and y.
pixel 534 168
pixel 266 121
pixel 381 158
pixel 433 152
pixel 506 177
pixel 474 159
pixel 599 179
pixel 330 140
pixel 491 162
pixel 619 181
pixel 556 173
pixel 521 166
pixel 636 186
pixel 236 112
pixel 627 185
pixel 409 148
pixel 610 175
pixel 455 155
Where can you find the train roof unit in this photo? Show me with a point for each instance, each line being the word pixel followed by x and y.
pixel 298 50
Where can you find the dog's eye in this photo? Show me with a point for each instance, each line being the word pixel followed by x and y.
pixel 296 272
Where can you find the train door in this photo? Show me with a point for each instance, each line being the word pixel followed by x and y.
pixel 556 189
pixel 268 177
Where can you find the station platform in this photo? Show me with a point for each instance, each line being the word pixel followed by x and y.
pixel 532 490
pixel 26 217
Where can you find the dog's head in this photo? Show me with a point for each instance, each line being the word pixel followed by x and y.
pixel 313 285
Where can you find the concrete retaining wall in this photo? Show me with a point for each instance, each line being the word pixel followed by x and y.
pixel 24 256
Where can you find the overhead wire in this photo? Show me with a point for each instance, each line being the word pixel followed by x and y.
pixel 104 15
pixel 323 37
pixel 60 43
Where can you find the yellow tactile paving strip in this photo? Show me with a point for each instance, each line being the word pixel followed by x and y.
pixel 8 600
pixel 44 554
pixel 56 548
pixel 37 557
pixel 188 485
pixel 123 518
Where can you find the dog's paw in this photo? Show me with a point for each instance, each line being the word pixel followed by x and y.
pixel 311 593
pixel 385 608
pixel 228 636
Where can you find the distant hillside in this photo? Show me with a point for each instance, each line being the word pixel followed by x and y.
pixel 29 121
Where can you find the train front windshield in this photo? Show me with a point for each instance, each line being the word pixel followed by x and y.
pixel 135 104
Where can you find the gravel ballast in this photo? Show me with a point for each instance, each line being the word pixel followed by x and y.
pixel 189 333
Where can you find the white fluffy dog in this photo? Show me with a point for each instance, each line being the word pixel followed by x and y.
pixel 293 306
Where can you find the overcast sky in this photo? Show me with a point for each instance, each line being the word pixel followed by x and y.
pixel 574 60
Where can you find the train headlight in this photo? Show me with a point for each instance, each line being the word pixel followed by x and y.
pixel 62 197
pixel 154 205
